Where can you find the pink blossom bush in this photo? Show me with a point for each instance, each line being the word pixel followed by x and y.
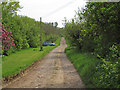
pixel 7 40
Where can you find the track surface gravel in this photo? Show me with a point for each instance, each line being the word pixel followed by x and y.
pixel 53 71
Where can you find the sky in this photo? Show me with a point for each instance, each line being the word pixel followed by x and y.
pixel 50 10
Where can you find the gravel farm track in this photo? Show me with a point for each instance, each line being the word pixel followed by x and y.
pixel 53 71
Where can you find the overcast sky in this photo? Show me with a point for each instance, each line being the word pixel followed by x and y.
pixel 50 10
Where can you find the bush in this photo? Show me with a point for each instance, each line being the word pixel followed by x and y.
pixel 108 72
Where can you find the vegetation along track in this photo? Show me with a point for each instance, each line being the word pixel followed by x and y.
pixel 54 71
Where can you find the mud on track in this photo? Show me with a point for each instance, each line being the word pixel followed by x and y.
pixel 53 71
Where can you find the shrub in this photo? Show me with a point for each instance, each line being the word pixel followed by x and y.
pixel 108 73
pixel 7 40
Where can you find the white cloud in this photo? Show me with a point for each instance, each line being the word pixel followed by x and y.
pixel 50 10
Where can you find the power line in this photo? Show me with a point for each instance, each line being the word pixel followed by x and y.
pixel 60 8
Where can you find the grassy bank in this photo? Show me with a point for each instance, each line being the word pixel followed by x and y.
pixel 85 64
pixel 11 65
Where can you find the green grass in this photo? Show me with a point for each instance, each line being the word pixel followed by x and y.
pixel 20 60
pixel 85 64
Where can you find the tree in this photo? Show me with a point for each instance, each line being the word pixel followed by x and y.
pixel 7 40
pixel 97 30
pixel 25 30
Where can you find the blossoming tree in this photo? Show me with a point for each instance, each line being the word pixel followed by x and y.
pixel 7 40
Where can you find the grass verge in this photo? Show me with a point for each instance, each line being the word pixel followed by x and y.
pixel 85 64
pixel 20 60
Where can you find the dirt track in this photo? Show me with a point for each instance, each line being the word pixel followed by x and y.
pixel 54 71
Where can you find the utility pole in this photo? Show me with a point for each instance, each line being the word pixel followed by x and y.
pixel 41 49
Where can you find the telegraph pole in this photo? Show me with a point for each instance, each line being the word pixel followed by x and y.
pixel 41 49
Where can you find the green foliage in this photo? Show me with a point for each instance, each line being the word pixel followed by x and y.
pixel 25 30
pixel 96 29
pixel 108 72
pixel 85 65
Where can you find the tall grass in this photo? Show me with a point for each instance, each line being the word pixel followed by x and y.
pixel 84 63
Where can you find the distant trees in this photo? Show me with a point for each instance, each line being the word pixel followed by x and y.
pixel 25 30
pixel 50 31
pixel 96 29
